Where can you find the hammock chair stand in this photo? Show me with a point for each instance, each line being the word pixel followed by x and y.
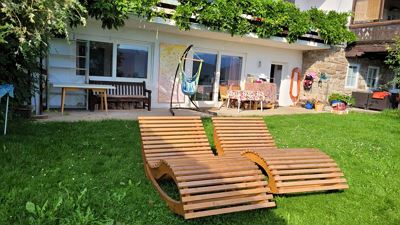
pixel 196 107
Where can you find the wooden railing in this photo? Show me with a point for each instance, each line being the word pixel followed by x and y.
pixel 383 31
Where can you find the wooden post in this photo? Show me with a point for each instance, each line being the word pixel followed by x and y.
pixel 6 117
pixel 62 100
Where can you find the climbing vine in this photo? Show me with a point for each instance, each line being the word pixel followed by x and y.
pixel 265 18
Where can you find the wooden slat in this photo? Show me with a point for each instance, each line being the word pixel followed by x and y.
pixel 218 203
pixel 214 170
pixel 192 125
pixel 312 176
pixel 199 190
pixel 311 182
pixel 172 137
pixel 168 133
pixel 305 171
pixel 305 161
pixel 192 198
pixel 218 181
pixel 174 141
pixel 192 215
pixel 313 188
pixel 301 166
pixel 217 175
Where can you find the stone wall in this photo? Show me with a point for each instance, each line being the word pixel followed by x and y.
pixel 334 63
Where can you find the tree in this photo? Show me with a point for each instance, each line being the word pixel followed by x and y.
pixel 25 29
pixel 393 61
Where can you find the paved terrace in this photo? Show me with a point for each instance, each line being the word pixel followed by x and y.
pixel 83 115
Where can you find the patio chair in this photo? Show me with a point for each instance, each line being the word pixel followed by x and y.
pixel 177 148
pixel 289 170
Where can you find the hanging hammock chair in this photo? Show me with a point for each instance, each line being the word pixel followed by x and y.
pixel 189 82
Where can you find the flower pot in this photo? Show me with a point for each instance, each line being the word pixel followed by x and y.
pixel 308 105
pixel 319 107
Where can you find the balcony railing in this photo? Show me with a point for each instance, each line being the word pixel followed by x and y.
pixel 377 32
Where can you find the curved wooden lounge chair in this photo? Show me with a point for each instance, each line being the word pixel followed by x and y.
pixel 177 148
pixel 288 170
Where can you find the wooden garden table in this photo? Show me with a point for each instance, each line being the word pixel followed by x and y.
pixel 101 89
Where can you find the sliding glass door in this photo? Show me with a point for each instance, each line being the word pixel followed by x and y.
pixel 231 70
pixel 206 84
pixel 218 69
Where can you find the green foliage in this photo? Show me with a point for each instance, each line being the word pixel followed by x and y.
pixel 393 60
pixel 25 29
pixel 341 97
pixel 113 13
pixel 264 17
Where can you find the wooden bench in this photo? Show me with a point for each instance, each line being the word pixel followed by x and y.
pixel 178 148
pixel 289 170
pixel 133 92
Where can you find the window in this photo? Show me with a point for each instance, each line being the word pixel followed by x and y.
pixel 132 61
pixel 372 77
pixel 81 57
pixel 100 59
pixel 231 70
pixel 103 59
pixel 205 87
pixel 352 76
pixel 367 10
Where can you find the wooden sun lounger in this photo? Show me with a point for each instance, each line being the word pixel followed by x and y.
pixel 177 148
pixel 288 170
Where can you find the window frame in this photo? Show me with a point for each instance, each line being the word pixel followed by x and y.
pixel 148 61
pixel 376 78
pixel 115 44
pixel 356 78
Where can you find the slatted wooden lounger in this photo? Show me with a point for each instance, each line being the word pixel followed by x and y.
pixel 177 148
pixel 288 170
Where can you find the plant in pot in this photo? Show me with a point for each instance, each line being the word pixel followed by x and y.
pixel 340 101
pixel 318 105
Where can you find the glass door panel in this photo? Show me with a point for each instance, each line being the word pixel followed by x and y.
pixel 205 87
pixel 231 70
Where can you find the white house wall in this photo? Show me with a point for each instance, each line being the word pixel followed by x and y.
pixel 252 55
pixel 336 5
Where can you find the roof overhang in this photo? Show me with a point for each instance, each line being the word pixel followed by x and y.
pixel 197 30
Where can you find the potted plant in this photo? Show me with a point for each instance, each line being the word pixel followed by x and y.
pixel 343 98
pixel 318 105
pixel 340 101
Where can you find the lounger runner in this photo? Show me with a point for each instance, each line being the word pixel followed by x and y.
pixel 177 148
pixel 288 170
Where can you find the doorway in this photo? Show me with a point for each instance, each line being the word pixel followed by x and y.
pixel 275 76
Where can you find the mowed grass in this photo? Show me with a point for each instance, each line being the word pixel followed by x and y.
pixel 92 173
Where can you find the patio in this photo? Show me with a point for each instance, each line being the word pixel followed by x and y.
pixel 83 115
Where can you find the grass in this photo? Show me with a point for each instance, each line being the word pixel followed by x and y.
pixel 92 173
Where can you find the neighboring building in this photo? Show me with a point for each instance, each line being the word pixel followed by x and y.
pixel 148 49
pixel 360 66
pixel 376 23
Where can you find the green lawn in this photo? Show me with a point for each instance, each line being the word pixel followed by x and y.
pixel 92 172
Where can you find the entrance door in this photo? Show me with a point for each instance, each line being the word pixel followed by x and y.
pixel 276 76
pixel 205 88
